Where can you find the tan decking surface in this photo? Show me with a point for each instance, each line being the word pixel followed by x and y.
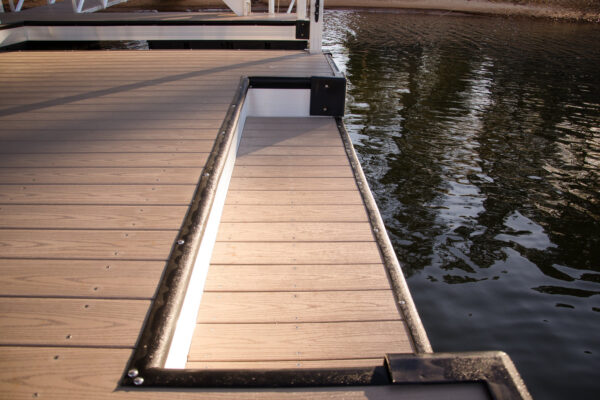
pixel 296 278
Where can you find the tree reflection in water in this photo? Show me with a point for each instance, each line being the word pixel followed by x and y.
pixel 480 138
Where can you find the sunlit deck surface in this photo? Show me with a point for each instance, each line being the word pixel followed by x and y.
pixel 296 278
pixel 100 156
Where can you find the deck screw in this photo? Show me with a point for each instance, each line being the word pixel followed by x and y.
pixel 132 373
pixel 180 241
pixel 138 380
pixel 375 230
pixel 207 174
pixel 401 302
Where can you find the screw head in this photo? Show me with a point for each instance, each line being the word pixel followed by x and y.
pixel 138 380
pixel 180 241
pixel 132 373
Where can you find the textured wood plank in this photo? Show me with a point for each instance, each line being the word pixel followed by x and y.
pixel 298 184
pixel 117 124
pixel 286 307
pixel 62 373
pixel 291 151
pixel 107 146
pixel 102 134
pixel 111 245
pixel 294 213
pixel 296 253
pixel 295 232
pixel 80 278
pixel 101 176
pixel 317 341
pixel 307 277
pixel 286 197
pixel 315 140
pixel 97 194
pixel 293 364
pixel 243 171
pixel 123 160
pixel 92 217
pixel 71 321
pixel 250 159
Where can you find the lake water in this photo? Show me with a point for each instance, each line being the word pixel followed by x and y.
pixel 480 138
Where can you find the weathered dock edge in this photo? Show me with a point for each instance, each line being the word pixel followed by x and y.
pixel 159 327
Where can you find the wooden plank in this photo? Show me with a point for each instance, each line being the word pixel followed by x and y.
pixel 294 213
pixel 79 244
pixel 102 176
pixel 291 151
pixel 214 123
pixel 71 322
pixel 30 114
pixel 80 278
pixel 91 217
pixel 290 123
pixel 108 146
pixel 299 184
pixel 292 364
pixel 289 140
pixel 60 373
pixel 287 197
pixel 296 277
pixel 296 253
pixel 246 171
pixel 295 232
pixel 97 194
pixel 295 307
pixel 102 134
pixel 313 341
pixel 250 159
pixel 122 160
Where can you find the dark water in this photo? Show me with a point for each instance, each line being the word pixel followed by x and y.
pixel 480 138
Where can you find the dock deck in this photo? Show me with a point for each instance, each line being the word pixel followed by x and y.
pixel 101 154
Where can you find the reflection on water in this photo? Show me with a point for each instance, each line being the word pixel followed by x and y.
pixel 480 138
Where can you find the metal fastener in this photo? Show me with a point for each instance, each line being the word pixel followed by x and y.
pixel 180 241
pixel 375 230
pixel 138 380
pixel 132 373
pixel 401 302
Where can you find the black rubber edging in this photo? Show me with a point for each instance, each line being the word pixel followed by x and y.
pixel 404 300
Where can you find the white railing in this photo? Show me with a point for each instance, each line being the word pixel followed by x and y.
pixel 78 5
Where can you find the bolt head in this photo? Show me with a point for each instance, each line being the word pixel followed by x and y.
pixel 132 373
pixel 180 241
pixel 138 380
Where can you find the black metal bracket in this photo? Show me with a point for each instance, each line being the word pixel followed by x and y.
pixel 492 368
pixel 327 96
pixel 302 29
pixel 317 6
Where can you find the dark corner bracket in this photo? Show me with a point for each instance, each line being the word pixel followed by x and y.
pixel 302 29
pixel 327 95
pixel 494 369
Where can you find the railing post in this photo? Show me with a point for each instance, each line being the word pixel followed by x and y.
pixel 316 26
pixel 271 7
pixel 301 9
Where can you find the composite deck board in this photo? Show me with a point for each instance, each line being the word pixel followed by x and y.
pixel 272 161
pixel 293 306
pixel 310 341
pixel 75 322
pixel 60 373
pixel 101 160
pixel 295 277
pixel 90 217
pixel 295 232
pixel 293 364
pixel 101 176
pixel 294 213
pixel 295 253
pixel 288 171
pixel 295 273
pixel 86 244
pixel 107 146
pixel 97 194
pixel 80 278
pixel 101 152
